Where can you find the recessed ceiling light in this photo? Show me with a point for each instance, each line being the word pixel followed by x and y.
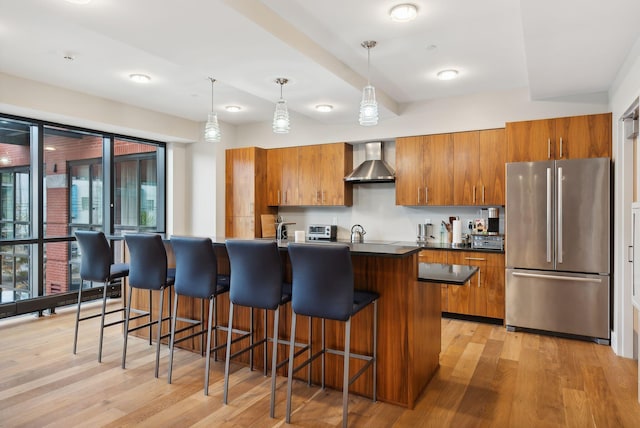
pixel 140 78
pixel 49 148
pixel 79 1
pixel 4 160
pixel 324 108
pixel 233 109
pixel 403 12
pixel 448 74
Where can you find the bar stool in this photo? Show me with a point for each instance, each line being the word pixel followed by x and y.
pixel 96 265
pixel 197 277
pixel 147 271
pixel 323 288
pixel 257 282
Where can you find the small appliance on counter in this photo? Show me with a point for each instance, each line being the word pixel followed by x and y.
pixel 322 232
pixel 357 234
pixel 487 242
pixel 494 221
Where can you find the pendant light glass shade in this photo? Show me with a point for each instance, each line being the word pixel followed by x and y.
pixel 212 128
pixel 281 114
pixel 368 105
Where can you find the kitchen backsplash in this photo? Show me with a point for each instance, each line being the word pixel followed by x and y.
pixel 375 210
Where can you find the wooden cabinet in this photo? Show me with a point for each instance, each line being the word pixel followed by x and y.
pixel 483 294
pixel 560 138
pixel 245 192
pixel 423 170
pixel 478 167
pixel 321 172
pixel 282 176
pixel 437 256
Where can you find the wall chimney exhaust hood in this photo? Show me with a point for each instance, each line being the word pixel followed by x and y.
pixel 374 169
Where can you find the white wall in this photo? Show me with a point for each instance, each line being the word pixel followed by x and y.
pixel 624 92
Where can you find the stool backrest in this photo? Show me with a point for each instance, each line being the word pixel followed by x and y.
pixel 322 284
pixel 256 273
pixel 196 267
pixel 148 261
pixel 95 261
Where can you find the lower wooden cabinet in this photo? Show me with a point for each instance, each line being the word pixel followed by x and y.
pixel 483 294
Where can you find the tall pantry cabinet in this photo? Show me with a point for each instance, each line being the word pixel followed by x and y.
pixel 245 192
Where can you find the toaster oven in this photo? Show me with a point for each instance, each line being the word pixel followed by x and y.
pixel 322 232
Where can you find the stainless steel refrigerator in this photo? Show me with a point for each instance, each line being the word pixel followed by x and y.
pixel 558 246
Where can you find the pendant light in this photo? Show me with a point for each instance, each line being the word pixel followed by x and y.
pixel 368 105
pixel 212 129
pixel 281 115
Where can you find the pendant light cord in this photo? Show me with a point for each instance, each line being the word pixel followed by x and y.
pixel 368 66
pixel 212 82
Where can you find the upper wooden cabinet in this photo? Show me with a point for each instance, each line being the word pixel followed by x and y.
pixel 310 175
pixel 245 192
pixel 423 170
pixel 282 176
pixel 478 167
pixel 561 138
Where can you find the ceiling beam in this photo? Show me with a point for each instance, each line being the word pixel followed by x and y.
pixel 273 23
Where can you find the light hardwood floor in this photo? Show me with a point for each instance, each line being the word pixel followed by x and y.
pixel 487 377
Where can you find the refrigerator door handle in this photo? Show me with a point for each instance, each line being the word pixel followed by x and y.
pixel 548 215
pixel 556 277
pixel 559 255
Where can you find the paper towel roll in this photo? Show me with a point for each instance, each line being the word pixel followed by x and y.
pixel 299 236
pixel 457 232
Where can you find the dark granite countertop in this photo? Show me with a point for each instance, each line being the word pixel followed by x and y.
pixel 374 248
pixel 445 274
pixel 446 247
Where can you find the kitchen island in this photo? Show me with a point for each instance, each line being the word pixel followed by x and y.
pixel 408 322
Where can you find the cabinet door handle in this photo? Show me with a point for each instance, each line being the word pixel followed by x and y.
pixel 483 194
pixel 426 195
pixel 474 194
pixel 560 146
pixel 278 197
pixel 479 259
pixel 479 273
pixel 418 196
pixel 286 199
pixel 323 193
pixel 630 253
pixel 548 148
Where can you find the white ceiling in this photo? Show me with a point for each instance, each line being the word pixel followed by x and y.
pixel 555 47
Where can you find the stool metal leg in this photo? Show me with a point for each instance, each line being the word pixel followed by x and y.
pixel 159 331
pixel 104 309
pixel 290 371
pixel 150 317
pixel 251 338
pixel 173 338
pixel 266 342
pixel 274 360
pixel 75 335
pixel 324 353
pixel 227 360
pixel 375 350
pixel 310 354
pixel 215 327
pixel 126 328
pixel 208 363
pixel 345 377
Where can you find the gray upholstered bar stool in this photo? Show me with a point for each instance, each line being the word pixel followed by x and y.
pixel 196 277
pixel 96 265
pixel 257 282
pixel 323 287
pixel 147 271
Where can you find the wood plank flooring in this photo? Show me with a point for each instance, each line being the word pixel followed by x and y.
pixel 488 377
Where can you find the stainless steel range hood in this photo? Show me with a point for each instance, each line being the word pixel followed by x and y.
pixel 374 169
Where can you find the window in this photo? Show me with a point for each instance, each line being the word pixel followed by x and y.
pixel 71 179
